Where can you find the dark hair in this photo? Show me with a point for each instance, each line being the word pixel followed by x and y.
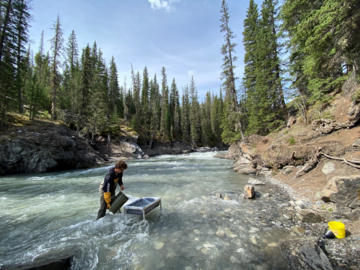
pixel 121 165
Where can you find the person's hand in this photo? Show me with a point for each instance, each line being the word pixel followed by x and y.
pixel 122 187
pixel 108 206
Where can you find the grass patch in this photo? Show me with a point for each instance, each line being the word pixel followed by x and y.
pixel 291 141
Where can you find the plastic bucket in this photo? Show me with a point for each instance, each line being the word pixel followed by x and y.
pixel 117 202
pixel 338 228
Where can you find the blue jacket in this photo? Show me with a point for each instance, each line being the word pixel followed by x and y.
pixel 109 183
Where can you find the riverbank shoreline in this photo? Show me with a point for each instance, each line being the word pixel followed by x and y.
pixel 309 247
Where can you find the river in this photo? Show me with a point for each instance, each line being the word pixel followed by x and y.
pixel 54 214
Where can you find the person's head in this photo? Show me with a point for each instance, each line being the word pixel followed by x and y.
pixel 120 166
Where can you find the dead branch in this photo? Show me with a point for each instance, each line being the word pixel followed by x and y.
pixel 348 162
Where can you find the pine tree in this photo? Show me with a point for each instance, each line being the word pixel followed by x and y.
pixel 113 86
pixel 8 92
pixel 229 77
pixel 174 98
pixel 164 103
pixel 271 110
pixel 207 133
pixel 177 116
pixel 251 26
pixel 195 114
pixel 21 21
pixel 325 38
pixel 56 50
pixel 155 107
pixel 185 115
pixel 86 82
pixel 145 108
pixel 98 101
pixel 72 53
pixel 126 109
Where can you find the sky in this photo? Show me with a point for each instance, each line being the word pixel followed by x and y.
pixel 181 35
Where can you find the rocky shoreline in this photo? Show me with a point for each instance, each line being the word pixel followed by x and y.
pixel 306 223
pixel 40 146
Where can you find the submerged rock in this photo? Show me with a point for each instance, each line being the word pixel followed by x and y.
pixel 253 181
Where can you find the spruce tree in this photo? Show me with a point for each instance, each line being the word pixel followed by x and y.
pixel 72 55
pixel 86 82
pixel 56 51
pixel 326 36
pixel 270 110
pixel 113 86
pixel 145 108
pixel 251 26
pixel 185 115
pixel 195 114
pixel 228 75
pixel 164 103
pixel 155 108
pixel 21 21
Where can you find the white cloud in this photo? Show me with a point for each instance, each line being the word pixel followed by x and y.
pixel 192 72
pixel 162 4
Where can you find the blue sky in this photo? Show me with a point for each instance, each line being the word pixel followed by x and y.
pixel 181 35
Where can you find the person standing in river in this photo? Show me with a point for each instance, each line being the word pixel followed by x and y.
pixel 108 186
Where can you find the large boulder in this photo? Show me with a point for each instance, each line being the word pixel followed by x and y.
pixel 44 147
pixel 305 253
pixel 344 191
pixel 234 152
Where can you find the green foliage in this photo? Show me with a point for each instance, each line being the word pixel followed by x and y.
pixel 291 141
pixel 324 44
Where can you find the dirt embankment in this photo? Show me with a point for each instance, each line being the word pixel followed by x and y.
pixel 318 162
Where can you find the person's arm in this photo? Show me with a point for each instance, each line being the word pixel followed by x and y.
pixel 121 184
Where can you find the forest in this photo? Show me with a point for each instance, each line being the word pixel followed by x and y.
pixel 297 53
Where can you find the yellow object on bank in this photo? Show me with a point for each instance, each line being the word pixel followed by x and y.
pixel 338 228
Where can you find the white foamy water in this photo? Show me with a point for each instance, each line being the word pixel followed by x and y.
pixel 53 215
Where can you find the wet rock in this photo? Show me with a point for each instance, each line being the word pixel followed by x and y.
pixel 298 230
pixel 249 192
pixel 273 245
pixel 230 233
pixel 159 245
pixel 253 181
pixel 226 197
pixel 240 250
pixel 328 167
pixel 253 240
pixel 220 232
pixel 245 169
pixel 220 155
pixel 59 263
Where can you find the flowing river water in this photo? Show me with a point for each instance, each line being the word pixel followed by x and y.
pixel 54 214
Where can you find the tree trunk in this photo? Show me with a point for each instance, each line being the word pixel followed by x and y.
pixel 4 26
